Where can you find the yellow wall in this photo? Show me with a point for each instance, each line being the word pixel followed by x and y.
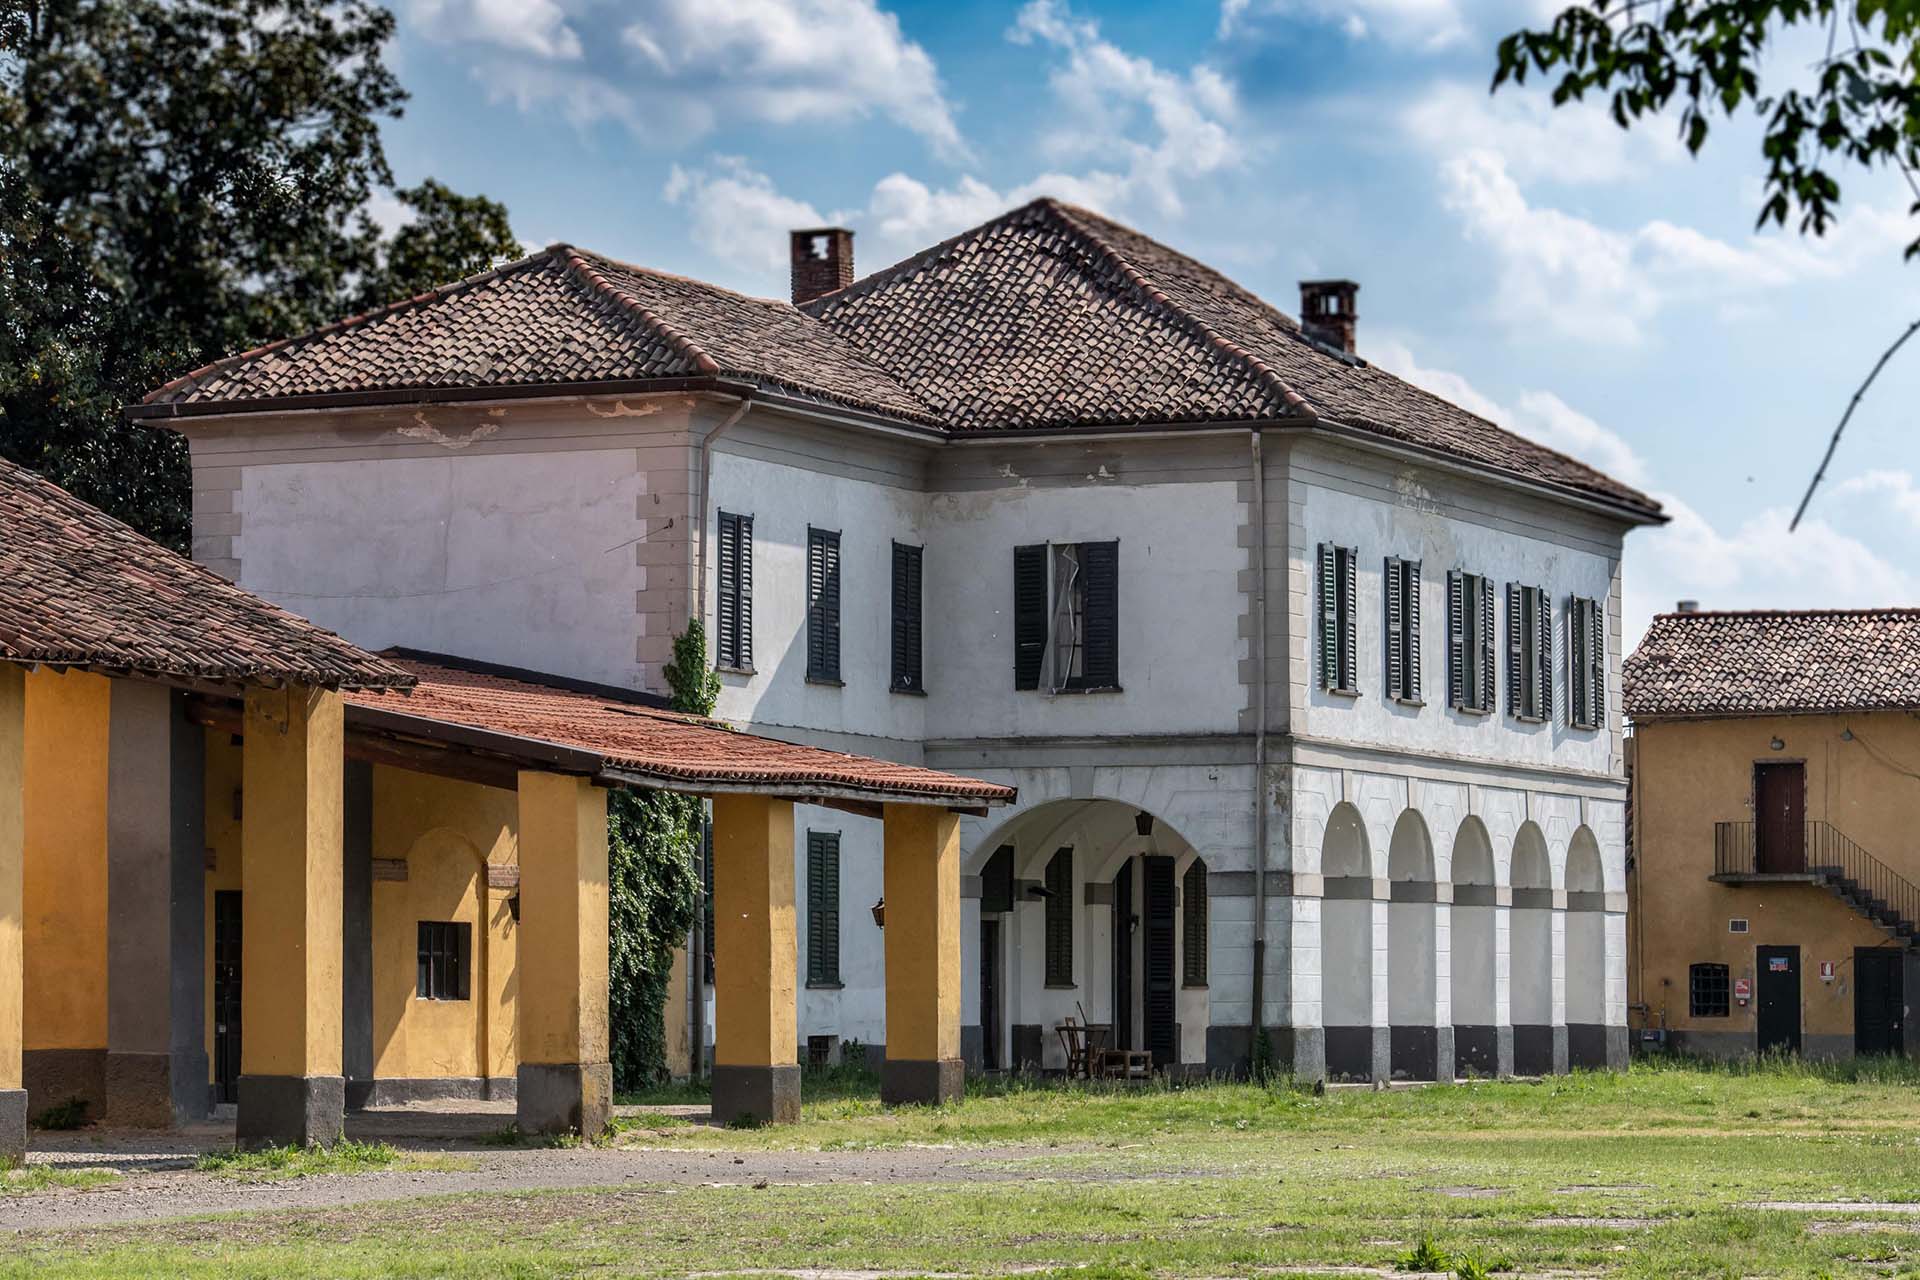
pixel 447 832
pixel 65 903
pixel 1688 776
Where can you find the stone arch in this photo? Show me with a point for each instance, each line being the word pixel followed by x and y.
pixel 1412 953
pixel 1344 848
pixel 444 881
pixel 1586 926
pixel 1531 967
pixel 1347 952
pixel 1474 972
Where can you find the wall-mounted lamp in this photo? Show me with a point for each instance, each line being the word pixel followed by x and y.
pixel 1846 735
pixel 1143 823
pixel 1039 891
pixel 1778 745
pixel 513 908
pixel 880 914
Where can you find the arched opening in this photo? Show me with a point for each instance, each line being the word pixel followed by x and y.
pixel 1412 936
pixel 1586 953
pixel 1081 926
pixel 1474 933
pixel 1531 956
pixel 1347 950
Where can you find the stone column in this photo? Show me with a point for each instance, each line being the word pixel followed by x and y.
pixel 566 1073
pixel 13 824
pixel 756 1065
pixel 291 1087
pixel 922 890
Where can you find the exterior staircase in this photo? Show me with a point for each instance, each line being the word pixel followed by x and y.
pixel 1825 857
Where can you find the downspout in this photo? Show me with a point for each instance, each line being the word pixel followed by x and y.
pixel 1258 607
pixel 697 943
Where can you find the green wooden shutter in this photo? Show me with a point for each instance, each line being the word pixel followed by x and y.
pixel 907 663
pixel 1100 659
pixel 1576 662
pixel 706 896
pixel 726 628
pixel 823 907
pixel 1516 642
pixel 1597 663
pixel 1060 919
pixel 1457 656
pixel 823 605
pixel 1543 653
pixel 1329 617
pixel 1483 587
pixel 1193 909
pixel 1394 585
pixel 1350 618
pixel 1029 614
pixel 1415 686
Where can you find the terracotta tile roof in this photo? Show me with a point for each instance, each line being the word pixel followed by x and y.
pixel 563 316
pixel 80 589
pixel 1775 663
pixel 1048 317
pixel 1051 316
pixel 648 743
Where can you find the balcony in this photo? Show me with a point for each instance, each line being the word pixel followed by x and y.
pixel 1748 853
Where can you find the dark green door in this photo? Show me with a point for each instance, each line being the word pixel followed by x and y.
pixel 1878 993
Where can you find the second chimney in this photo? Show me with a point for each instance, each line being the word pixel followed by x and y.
pixel 1326 311
pixel 822 262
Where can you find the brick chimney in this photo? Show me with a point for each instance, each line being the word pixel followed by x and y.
pixel 822 262
pixel 1326 311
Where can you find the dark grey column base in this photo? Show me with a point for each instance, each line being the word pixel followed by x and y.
pixel 973 1041
pixel 1229 1051
pixel 1029 1043
pixel 1422 1053
pixel 54 1076
pixel 1306 1049
pixel 1559 1051
pixel 1596 1046
pixel 1359 1053
pixel 1505 1071
pixel 1476 1052
pixel 932 1082
pixel 290 1111
pixel 13 1126
pixel 139 1089
pixel 1539 1051
pixel 565 1097
pixel 755 1095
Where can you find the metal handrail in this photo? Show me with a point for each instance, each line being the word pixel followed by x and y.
pixel 1829 856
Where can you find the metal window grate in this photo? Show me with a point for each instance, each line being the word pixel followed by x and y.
pixel 1707 991
pixel 444 950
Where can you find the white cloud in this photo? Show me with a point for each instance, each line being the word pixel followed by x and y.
pixel 736 214
pixel 1577 142
pixel 678 69
pixel 1896 487
pixel 1427 24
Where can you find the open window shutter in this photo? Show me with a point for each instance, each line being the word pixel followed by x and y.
pixel 1329 617
pixel 1193 906
pixel 830 914
pixel 1060 919
pixel 1411 607
pixel 743 577
pixel 706 896
pixel 1029 614
pixel 823 605
pixel 726 622
pixel 816 912
pixel 1516 641
pixel 1483 587
pixel 1396 629
pixel 1596 664
pixel 1100 562
pixel 1457 656
pixel 1350 618
pixel 831 599
pixel 1543 652
pixel 906 617
pixel 1577 662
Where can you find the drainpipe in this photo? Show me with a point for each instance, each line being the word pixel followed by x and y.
pixel 1259 610
pixel 697 942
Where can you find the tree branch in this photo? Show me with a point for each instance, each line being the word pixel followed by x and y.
pixel 1852 404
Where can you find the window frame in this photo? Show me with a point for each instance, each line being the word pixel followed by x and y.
pixel 908 666
pixel 733 593
pixel 823 909
pixel 1040 593
pixel 1714 981
pixel 443 970
pixel 823 606
pixel 1058 947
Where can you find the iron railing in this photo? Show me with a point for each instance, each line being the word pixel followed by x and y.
pixel 1829 857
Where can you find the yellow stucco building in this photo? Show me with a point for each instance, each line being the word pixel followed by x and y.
pixel 1776 788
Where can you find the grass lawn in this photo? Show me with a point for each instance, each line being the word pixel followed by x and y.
pixel 1659 1172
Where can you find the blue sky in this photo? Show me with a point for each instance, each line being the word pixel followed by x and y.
pixel 1598 290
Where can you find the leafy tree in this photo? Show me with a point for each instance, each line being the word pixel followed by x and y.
pixel 1858 105
pixel 180 180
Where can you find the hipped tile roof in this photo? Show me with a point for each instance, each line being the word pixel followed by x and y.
pixel 650 744
pixel 1780 662
pixel 80 589
pixel 1048 317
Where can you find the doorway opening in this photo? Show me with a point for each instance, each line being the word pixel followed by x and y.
pixel 1778 998
pixel 1879 994
pixel 1780 811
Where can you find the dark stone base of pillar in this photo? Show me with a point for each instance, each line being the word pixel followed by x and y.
pixel 1359 1053
pixel 1305 1048
pixel 1506 1052
pixel 1596 1047
pixel 1539 1051
pixel 565 1097
pixel 973 1045
pixel 756 1095
pixel 1028 1045
pixel 1421 1053
pixel 906 1081
pixel 290 1111
pixel 1299 1052
pixel 53 1076
pixel 139 1088
pixel 13 1127
pixel 1476 1052
pixel 1229 1051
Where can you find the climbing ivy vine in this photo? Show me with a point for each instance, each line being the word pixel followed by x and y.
pixel 653 867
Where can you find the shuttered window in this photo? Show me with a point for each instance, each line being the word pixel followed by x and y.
pixel 1059 886
pixel 1193 925
pixel 1529 653
pixel 906 619
pixel 733 608
pixel 706 885
pixel 1470 644
pixel 823 908
pixel 1339 619
pixel 823 606
pixel 444 960
pixel 1586 663
pixel 1066 616
pixel 1404 679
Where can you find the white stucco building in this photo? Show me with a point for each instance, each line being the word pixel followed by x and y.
pixel 1308 679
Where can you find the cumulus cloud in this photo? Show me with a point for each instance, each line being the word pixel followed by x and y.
pixel 1577 142
pixel 677 69
pixel 1427 24
pixel 736 214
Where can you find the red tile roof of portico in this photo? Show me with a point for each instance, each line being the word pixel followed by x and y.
pixel 626 740
pixel 80 589
pixel 1047 318
pixel 1775 662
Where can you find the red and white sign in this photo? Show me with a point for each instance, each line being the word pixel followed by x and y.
pixel 1826 971
pixel 1743 989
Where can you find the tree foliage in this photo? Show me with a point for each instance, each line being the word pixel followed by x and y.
pixel 655 841
pixel 181 180
pixel 1859 106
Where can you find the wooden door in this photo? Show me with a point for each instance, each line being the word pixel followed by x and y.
pixel 1779 810
pixel 1123 957
pixel 1878 994
pixel 990 993
pixel 1160 1009
pixel 1778 991
pixel 226 995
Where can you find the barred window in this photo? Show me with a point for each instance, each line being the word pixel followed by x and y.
pixel 444 949
pixel 1707 989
